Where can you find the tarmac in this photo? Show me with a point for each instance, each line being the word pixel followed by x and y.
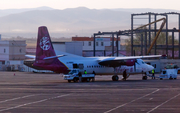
pixel 25 92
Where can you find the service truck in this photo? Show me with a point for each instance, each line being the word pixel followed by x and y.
pixel 168 73
pixel 73 75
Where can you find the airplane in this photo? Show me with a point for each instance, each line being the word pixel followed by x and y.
pixel 46 59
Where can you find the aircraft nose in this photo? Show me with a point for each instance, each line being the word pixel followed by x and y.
pixel 150 68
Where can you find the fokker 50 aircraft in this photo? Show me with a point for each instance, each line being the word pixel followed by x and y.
pixel 47 59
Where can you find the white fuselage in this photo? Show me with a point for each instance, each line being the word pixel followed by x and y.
pixel 91 64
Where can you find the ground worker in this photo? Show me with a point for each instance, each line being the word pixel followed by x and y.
pixel 80 76
pixel 124 74
pixel 153 76
pixel 85 72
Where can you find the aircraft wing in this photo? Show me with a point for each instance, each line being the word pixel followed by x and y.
pixel 118 61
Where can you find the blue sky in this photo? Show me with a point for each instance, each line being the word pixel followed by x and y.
pixel 92 4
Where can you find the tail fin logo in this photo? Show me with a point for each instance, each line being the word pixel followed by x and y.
pixel 45 43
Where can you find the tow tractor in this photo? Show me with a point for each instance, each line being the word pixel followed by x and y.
pixel 168 73
pixel 73 76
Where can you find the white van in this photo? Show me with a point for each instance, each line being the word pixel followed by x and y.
pixel 168 73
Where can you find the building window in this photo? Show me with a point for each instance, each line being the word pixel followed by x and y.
pixel 102 44
pixel 20 50
pixel 96 43
pixel 4 50
pixel 89 43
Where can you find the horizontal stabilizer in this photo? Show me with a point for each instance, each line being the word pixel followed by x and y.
pixel 30 56
pixel 52 57
pixel 46 58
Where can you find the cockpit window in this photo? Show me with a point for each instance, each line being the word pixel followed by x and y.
pixel 139 61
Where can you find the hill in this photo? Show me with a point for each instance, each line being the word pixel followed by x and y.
pixel 79 21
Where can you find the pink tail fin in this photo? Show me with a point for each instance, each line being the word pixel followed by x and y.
pixel 45 49
pixel 44 46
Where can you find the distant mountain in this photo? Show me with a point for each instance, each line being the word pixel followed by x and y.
pixel 79 21
pixel 145 10
pixel 15 11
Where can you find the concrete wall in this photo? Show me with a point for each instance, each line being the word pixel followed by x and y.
pixel 69 47
pixel 74 48
pixel 59 46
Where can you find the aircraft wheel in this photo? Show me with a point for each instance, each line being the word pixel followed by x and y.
pixel 116 78
pixel 69 81
pixel 113 78
pixel 161 78
pixel 175 78
pixel 144 77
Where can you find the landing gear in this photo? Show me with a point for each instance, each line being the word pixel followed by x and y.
pixel 115 78
pixel 144 78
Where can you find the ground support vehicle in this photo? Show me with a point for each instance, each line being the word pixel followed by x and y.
pixel 168 73
pixel 73 75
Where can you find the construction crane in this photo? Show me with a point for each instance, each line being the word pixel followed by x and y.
pixel 161 27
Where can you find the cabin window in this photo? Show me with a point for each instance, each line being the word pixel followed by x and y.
pixel 142 62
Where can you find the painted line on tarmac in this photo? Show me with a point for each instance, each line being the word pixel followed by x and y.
pixel 34 102
pixel 163 103
pixel 131 101
pixel 18 98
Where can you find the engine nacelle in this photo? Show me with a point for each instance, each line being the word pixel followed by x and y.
pixel 130 62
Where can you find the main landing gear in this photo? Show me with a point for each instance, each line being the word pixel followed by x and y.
pixel 115 78
pixel 144 78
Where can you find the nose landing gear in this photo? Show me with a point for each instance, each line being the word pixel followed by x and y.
pixel 115 78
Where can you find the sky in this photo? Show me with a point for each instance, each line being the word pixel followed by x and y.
pixel 92 4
